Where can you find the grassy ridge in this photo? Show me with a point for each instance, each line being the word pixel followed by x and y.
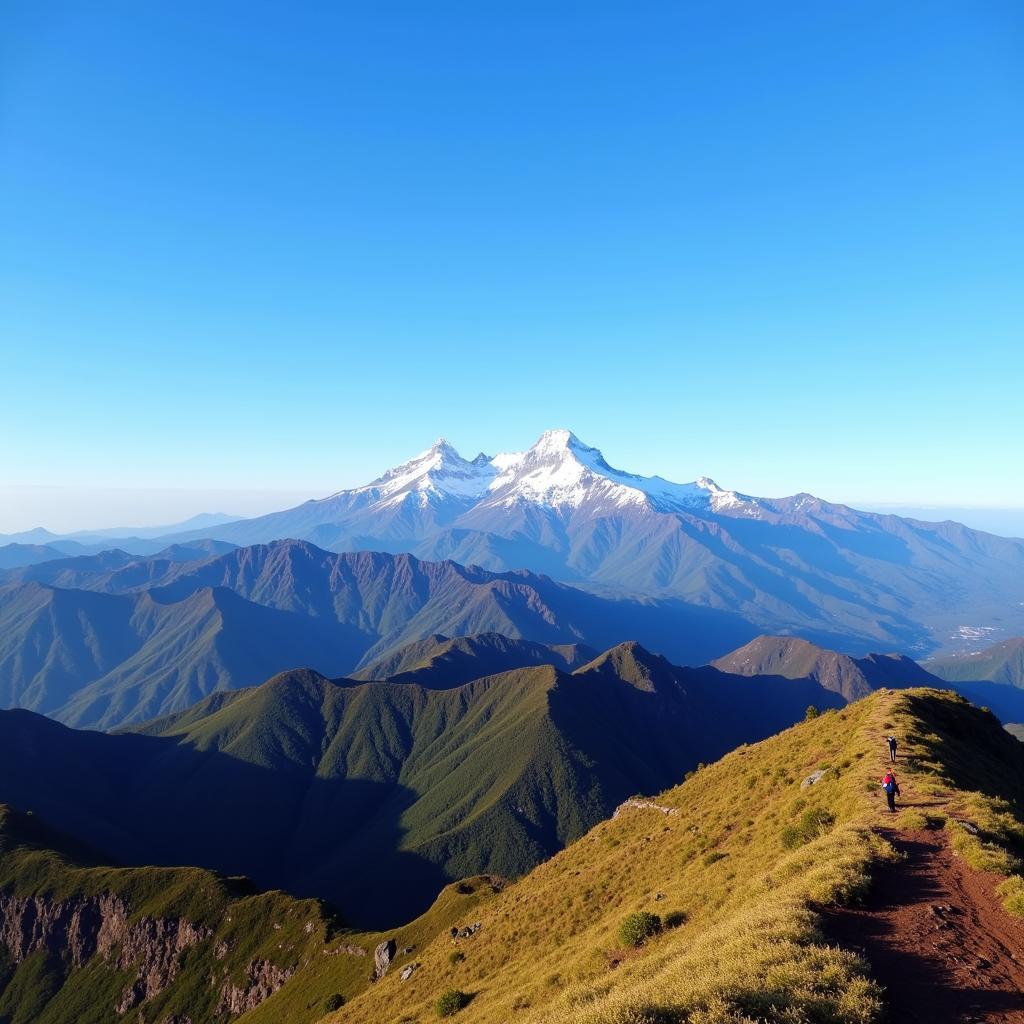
pixel 738 869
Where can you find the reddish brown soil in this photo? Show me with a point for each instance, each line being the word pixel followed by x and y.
pixel 937 937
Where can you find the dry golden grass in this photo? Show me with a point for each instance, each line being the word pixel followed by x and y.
pixel 746 945
pixel 749 945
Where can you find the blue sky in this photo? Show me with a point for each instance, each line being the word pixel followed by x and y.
pixel 259 251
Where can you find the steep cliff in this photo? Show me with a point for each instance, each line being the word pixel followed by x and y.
pixel 137 945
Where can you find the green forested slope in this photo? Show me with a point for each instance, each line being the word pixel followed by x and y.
pixel 324 787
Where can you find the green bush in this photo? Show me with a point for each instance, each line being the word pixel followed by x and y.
pixel 814 822
pixel 1012 892
pixel 637 928
pixel 714 857
pixel 792 837
pixel 449 1003
pixel 333 1002
pixel 456 956
pixel 811 713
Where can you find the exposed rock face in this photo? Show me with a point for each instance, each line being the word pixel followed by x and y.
pixel 641 805
pixel 382 957
pixel 85 926
pixel 262 980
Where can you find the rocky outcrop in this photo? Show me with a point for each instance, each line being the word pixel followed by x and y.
pixel 262 979
pixel 641 805
pixel 382 957
pixel 86 926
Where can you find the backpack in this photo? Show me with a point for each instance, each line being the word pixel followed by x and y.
pixel 889 785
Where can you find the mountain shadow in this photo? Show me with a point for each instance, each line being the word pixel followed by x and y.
pixel 373 795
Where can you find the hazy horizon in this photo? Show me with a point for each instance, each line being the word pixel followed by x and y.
pixel 63 510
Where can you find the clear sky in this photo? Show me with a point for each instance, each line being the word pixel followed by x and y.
pixel 256 251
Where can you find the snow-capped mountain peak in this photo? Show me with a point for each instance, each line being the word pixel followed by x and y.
pixel 439 471
pixel 719 498
pixel 559 471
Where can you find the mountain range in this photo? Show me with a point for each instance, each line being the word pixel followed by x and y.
pixel 448 757
pixel 102 640
pixel 849 580
pixel 375 794
pixel 845 578
pixel 110 639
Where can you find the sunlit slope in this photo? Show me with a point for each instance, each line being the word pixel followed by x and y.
pixel 735 869
pixel 422 785
pixel 324 787
pixel 1000 663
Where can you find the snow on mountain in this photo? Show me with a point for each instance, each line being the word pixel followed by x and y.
pixel 795 564
pixel 440 471
pixel 559 472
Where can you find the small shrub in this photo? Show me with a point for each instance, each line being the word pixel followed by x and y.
pixel 1012 892
pixel 637 928
pixel 676 919
pixel 449 1003
pixel 814 822
pixel 714 857
pixel 456 956
pixel 811 713
pixel 791 837
pixel 333 1002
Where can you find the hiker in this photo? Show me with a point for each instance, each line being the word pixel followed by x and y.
pixel 892 790
pixel 892 749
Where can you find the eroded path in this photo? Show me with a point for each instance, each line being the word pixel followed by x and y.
pixel 933 929
pixel 937 937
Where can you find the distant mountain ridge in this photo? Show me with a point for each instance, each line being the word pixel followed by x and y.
pixel 29 546
pixel 1001 663
pixel 798 564
pixel 854 678
pixel 439 661
pixel 795 658
pixel 126 639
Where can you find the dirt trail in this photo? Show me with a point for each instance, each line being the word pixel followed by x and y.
pixel 937 937
pixel 934 931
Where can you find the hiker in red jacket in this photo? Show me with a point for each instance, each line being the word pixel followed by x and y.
pixel 892 790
